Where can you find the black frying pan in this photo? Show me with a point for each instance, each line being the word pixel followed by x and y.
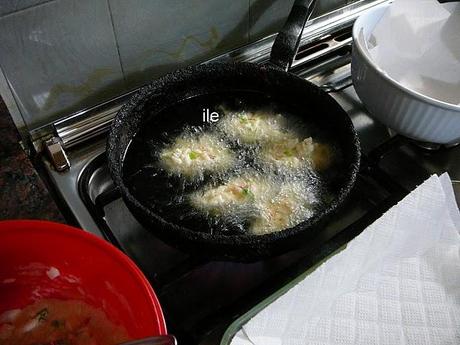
pixel 154 109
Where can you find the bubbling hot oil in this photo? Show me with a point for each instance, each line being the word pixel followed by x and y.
pixel 246 194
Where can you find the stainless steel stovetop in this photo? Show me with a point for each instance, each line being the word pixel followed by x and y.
pixel 200 298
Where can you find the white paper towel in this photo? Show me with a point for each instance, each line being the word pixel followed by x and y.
pixel 398 282
pixel 417 43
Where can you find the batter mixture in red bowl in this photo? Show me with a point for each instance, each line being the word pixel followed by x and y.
pixel 60 285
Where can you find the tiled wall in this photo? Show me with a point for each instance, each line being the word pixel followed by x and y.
pixel 63 55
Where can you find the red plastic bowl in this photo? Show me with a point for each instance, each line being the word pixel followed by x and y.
pixel 90 269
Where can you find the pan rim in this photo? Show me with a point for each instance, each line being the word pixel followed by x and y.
pixel 219 239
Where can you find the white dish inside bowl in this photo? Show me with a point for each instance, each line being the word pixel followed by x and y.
pixel 416 43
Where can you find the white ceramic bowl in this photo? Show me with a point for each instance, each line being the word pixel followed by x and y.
pixel 404 110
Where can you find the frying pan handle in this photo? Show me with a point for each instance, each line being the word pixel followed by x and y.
pixel 287 41
pixel 443 1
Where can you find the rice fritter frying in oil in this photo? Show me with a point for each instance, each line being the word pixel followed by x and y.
pixel 192 155
pixel 239 154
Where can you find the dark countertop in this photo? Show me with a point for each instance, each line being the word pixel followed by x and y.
pixel 23 193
